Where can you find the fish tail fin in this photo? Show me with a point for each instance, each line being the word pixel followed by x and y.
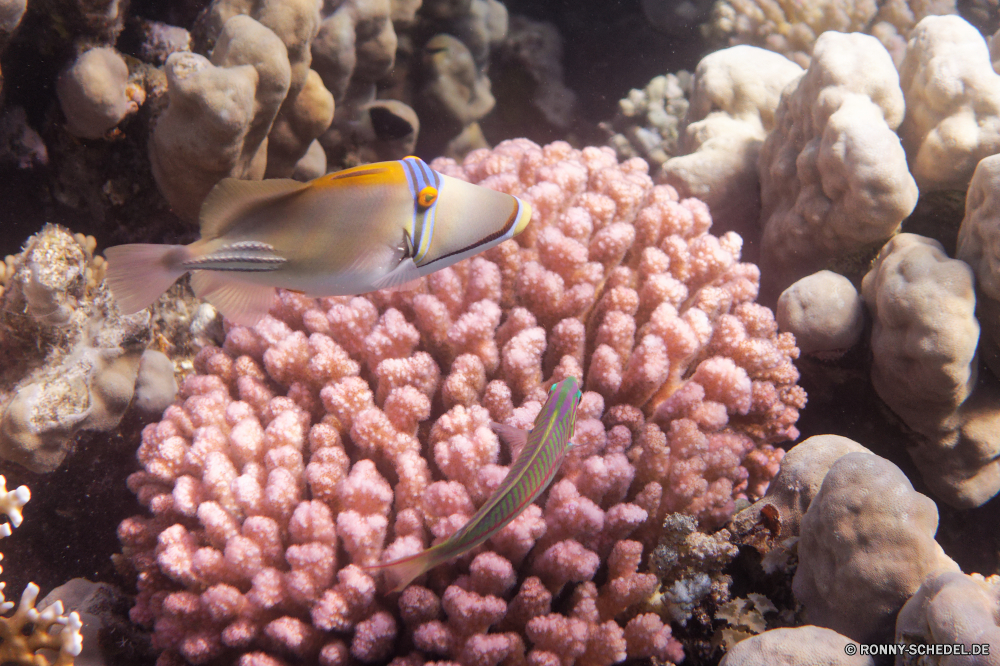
pixel 401 572
pixel 138 274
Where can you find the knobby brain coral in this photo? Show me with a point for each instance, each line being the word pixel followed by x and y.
pixel 346 431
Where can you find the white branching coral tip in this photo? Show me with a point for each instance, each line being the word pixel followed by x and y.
pixel 11 503
pixel 29 630
pixel 5 605
pixel 48 629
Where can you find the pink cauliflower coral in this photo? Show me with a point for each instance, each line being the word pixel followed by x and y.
pixel 341 432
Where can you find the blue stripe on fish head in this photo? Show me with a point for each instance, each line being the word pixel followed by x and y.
pixel 421 180
pixel 467 220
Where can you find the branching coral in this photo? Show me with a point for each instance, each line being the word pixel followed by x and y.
pixel 28 631
pixel 792 28
pixel 647 123
pixel 347 431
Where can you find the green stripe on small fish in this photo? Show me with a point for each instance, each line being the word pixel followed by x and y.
pixel 540 457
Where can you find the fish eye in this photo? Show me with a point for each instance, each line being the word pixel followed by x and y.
pixel 427 196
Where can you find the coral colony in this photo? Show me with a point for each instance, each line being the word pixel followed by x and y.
pixel 30 634
pixel 297 453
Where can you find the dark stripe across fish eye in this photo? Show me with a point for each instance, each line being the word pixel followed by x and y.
pixel 420 176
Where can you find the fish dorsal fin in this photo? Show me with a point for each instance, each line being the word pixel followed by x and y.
pixel 514 437
pixel 405 272
pixel 232 198
pixel 243 303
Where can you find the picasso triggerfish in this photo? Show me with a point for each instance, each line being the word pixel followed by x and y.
pixel 350 232
pixel 542 450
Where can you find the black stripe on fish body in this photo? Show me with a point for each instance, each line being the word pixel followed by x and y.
pixel 244 261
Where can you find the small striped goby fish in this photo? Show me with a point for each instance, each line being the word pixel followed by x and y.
pixel 542 450
pixel 351 232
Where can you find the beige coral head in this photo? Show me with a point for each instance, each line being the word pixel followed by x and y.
pixel 866 544
pixel 795 645
pixel 833 175
pixel 94 95
pixel 979 235
pixel 455 85
pixel 743 82
pixel 952 103
pixel 953 607
pixel 802 472
pixel 219 114
pixel 824 312
pixel 924 340
pixel 11 12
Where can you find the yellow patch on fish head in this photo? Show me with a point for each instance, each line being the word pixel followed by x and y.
pixel 524 217
pixel 378 173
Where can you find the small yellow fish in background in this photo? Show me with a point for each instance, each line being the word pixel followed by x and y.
pixel 351 232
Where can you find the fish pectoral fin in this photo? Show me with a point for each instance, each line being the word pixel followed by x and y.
pixel 370 258
pixel 405 272
pixel 232 198
pixel 243 303
pixel 514 437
